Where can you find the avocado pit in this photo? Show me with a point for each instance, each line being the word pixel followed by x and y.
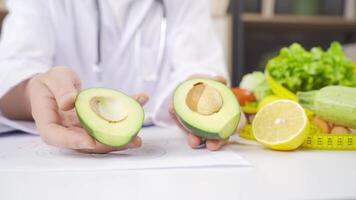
pixel 204 99
pixel 108 108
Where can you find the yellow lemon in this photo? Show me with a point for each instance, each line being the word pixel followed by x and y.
pixel 281 125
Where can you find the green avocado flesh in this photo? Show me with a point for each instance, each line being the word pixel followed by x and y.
pixel 110 116
pixel 218 125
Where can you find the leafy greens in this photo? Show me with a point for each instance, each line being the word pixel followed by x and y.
pixel 301 70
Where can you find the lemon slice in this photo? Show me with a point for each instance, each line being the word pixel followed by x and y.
pixel 281 125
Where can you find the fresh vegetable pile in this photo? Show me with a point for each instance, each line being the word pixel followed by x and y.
pixel 299 70
pixel 322 82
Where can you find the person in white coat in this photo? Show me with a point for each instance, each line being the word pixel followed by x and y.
pixel 50 49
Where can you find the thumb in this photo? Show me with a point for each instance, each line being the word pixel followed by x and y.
pixel 141 98
pixel 220 79
pixel 64 84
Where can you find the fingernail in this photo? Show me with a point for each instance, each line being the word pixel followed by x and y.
pixel 142 99
pixel 133 146
pixel 85 145
pixel 136 143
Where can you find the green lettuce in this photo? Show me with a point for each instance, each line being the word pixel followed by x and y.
pixel 300 70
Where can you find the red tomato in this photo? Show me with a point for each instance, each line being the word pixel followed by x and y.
pixel 243 95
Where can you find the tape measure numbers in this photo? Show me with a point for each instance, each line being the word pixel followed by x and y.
pixel 320 141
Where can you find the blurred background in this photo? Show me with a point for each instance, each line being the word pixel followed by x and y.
pixel 255 30
pixel 252 31
pixel 262 27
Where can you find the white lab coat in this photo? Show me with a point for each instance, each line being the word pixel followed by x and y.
pixel 40 34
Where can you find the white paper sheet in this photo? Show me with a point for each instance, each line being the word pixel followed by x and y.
pixel 163 148
pixel 8 125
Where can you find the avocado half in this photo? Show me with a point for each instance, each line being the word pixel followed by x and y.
pixel 208 108
pixel 110 116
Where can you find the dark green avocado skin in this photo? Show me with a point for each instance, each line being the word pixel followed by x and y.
pixel 201 133
pixel 91 132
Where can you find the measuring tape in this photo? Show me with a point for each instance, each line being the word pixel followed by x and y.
pixel 316 139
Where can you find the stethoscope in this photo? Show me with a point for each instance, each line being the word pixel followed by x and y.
pixel 161 48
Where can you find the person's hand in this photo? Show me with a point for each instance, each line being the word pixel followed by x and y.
pixel 196 141
pixel 52 97
pixel 193 140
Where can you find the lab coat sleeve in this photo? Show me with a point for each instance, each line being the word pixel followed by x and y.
pixel 27 43
pixel 193 48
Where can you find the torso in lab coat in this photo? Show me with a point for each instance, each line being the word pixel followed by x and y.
pixel 39 34
pixel 128 53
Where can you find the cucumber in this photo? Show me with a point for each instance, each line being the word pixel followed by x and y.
pixel 336 104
